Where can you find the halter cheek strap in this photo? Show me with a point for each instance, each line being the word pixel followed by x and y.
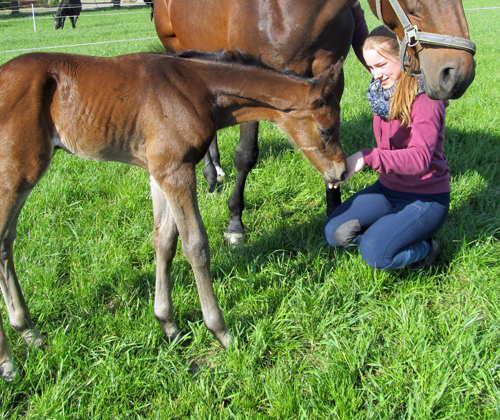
pixel 412 36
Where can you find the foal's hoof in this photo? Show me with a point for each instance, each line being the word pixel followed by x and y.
pixel 225 339
pixel 233 238
pixel 34 338
pixel 8 370
pixel 174 338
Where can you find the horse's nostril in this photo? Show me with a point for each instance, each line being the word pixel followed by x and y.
pixel 447 75
pixel 343 175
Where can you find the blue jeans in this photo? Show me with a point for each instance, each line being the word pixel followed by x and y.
pixel 392 229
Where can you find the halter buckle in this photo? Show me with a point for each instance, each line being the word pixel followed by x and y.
pixel 411 34
pixel 405 62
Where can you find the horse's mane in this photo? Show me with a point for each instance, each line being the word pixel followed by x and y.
pixel 224 56
pixel 230 56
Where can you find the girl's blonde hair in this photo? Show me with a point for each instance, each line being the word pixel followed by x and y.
pixel 386 44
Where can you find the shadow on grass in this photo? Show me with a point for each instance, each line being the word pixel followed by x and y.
pixel 474 216
pixel 473 157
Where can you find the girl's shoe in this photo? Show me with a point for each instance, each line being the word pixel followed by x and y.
pixel 432 256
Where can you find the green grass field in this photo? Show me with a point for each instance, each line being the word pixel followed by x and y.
pixel 319 334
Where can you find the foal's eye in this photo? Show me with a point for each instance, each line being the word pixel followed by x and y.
pixel 327 132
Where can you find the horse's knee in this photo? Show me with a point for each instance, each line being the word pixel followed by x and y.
pixel 245 158
pixel 247 152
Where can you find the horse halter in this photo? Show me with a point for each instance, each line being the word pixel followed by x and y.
pixel 413 36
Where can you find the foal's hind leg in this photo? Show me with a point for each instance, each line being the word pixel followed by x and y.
pixel 245 159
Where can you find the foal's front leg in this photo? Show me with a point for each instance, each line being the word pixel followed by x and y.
pixel 17 310
pixel 165 237
pixel 19 314
pixel 7 367
pixel 180 190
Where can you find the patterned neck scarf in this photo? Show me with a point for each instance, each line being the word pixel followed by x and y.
pixel 380 98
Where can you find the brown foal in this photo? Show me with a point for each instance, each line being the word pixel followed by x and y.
pixel 157 112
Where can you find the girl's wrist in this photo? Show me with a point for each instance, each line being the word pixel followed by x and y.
pixel 360 161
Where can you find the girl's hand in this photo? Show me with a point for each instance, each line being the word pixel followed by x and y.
pixel 355 163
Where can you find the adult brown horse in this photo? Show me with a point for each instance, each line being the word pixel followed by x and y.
pixel 307 36
pixel 159 113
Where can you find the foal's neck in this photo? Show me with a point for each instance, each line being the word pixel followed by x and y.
pixel 247 93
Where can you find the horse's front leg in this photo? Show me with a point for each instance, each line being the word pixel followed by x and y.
pixel 212 170
pixel 333 199
pixel 215 156
pixel 180 190
pixel 245 159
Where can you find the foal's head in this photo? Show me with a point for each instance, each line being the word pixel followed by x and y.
pixel 316 130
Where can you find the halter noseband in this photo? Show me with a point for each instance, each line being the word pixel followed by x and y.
pixel 413 36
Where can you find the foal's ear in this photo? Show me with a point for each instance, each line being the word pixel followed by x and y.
pixel 324 84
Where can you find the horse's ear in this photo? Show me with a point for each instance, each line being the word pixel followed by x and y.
pixel 325 83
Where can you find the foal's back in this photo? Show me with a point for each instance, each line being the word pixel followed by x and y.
pixel 96 108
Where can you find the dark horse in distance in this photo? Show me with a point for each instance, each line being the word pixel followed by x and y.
pixel 308 36
pixel 70 9
pixel 159 113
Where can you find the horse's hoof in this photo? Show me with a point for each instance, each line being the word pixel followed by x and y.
pixel 8 370
pixel 233 238
pixel 210 175
pixel 212 187
pixel 220 173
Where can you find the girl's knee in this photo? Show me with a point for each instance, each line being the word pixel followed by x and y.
pixel 373 253
pixel 343 235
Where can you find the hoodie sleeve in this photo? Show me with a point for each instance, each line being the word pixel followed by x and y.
pixel 408 150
